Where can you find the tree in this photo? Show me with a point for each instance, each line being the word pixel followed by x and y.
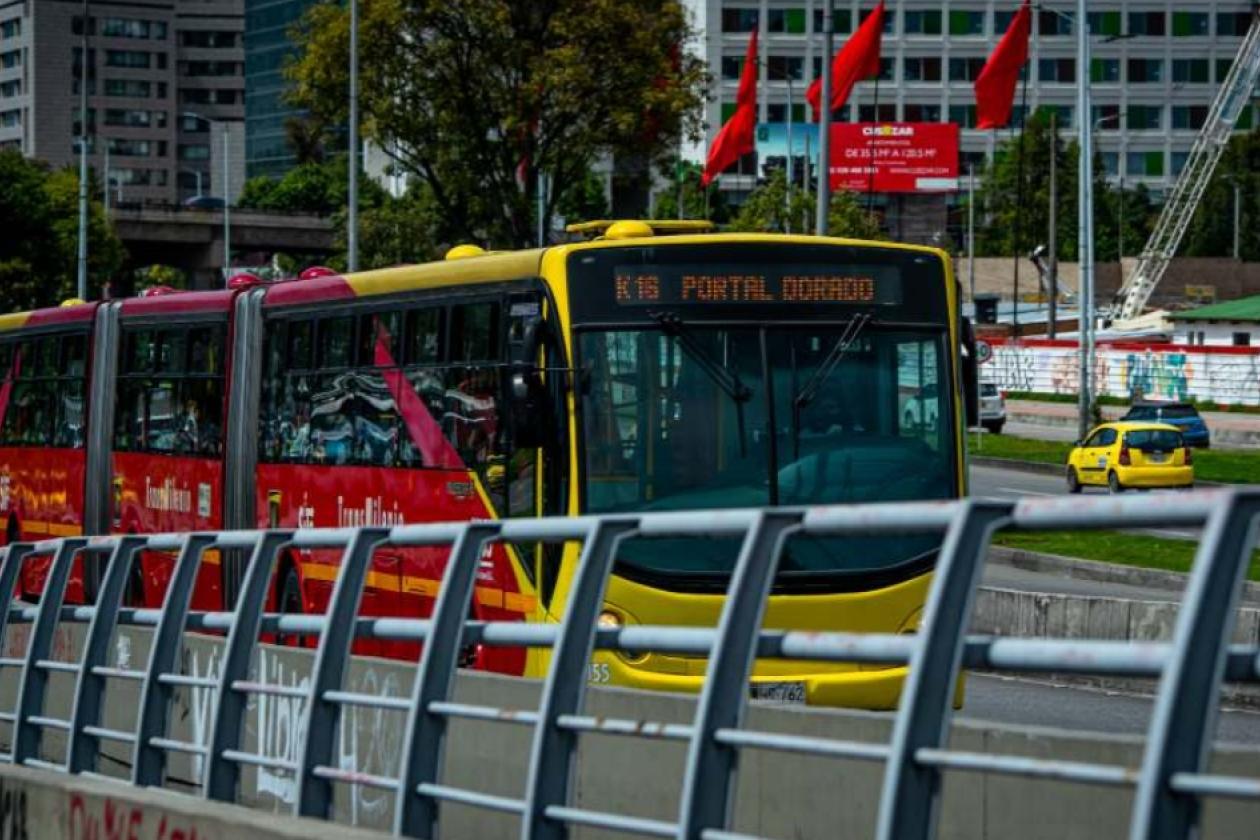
pixel 394 231
pixel 39 214
pixel 474 97
pixel 1211 233
pixel 767 210
pixel 309 188
pixel 699 202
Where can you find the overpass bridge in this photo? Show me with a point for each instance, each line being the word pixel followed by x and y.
pixel 192 239
pixel 115 704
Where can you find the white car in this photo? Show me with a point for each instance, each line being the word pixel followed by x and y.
pixel 992 407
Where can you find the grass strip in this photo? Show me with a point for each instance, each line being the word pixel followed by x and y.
pixel 1229 466
pixel 1124 549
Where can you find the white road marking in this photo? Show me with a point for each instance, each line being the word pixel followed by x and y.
pixel 1019 492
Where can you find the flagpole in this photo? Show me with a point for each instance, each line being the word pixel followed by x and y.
pixel 870 149
pixel 824 121
pixel 1019 204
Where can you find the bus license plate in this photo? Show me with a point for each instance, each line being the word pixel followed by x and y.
pixel 779 692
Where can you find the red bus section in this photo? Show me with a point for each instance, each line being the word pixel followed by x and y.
pixel 43 423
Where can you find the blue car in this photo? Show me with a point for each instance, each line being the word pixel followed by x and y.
pixel 1182 415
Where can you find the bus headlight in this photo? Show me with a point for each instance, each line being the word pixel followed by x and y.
pixel 609 620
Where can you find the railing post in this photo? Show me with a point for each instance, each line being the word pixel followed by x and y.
pixel 1184 718
pixel 331 660
pixel 911 792
pixel 26 735
pixel 148 761
pixel 228 720
pixel 10 570
pixel 709 782
pixel 416 813
pixel 551 759
pixel 84 749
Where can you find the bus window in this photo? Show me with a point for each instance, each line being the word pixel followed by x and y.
pixel 475 332
pixel 336 339
pixel 74 355
pixel 424 337
pixel 45 406
pixel 380 339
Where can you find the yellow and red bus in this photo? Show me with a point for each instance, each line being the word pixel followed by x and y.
pixel 654 366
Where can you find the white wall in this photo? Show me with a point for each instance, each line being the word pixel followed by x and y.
pixel 1216 334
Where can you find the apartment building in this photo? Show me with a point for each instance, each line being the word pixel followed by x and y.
pixel 1155 70
pixel 165 81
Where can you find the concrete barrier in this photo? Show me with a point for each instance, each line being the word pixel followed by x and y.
pixel 38 805
pixel 779 795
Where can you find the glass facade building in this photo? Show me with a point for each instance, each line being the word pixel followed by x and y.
pixel 268 27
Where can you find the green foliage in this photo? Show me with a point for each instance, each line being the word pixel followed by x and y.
pixel 698 202
pixel 1211 233
pixel 395 231
pixel 584 200
pixel 39 214
pixel 463 92
pixel 1007 223
pixel 768 209
pixel 160 275
pixel 320 188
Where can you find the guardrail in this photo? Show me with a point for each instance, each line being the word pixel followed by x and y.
pixel 1169 785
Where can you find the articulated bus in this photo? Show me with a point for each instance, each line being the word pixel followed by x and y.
pixel 654 366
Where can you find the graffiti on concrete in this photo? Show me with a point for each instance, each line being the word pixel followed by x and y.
pixel 13 813
pixel 105 818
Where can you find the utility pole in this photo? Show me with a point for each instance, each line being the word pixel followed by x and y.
pixel 1237 221
pixel 1053 234
pixel 85 68
pixel 352 220
pixel 227 210
pixel 971 229
pixel 824 121
pixel 1085 228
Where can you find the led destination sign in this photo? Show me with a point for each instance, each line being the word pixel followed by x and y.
pixel 646 285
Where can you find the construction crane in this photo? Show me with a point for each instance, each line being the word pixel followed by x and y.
pixel 1179 209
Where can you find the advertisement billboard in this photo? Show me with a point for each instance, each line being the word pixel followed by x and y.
pixel 894 157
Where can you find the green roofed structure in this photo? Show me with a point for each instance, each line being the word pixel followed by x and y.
pixel 1230 323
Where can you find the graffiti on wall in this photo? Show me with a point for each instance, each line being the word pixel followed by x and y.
pixel 1154 372
pixel 13 812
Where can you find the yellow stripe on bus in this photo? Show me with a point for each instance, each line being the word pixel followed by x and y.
pixel 486 596
pixel 52 529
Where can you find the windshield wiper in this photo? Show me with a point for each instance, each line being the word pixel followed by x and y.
pixel 722 374
pixel 810 390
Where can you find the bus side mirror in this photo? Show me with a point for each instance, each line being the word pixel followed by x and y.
pixel 529 405
pixel 970 374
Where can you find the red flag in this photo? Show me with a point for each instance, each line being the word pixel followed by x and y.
pixel 739 136
pixel 857 60
pixel 995 87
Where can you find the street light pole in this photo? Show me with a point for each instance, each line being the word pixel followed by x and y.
pixel 1085 228
pixel 84 73
pixel 352 221
pixel 971 229
pixel 787 210
pixel 227 207
pixel 824 121
pixel 1052 268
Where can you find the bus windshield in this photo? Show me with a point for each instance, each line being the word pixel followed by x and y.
pixel 848 411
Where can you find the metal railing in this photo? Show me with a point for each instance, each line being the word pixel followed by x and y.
pixel 1169 785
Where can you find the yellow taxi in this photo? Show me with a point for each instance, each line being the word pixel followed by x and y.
pixel 1120 456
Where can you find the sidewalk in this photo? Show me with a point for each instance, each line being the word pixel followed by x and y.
pixel 1227 429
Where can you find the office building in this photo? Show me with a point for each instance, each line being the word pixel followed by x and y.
pixel 268 26
pixel 1156 68
pixel 164 81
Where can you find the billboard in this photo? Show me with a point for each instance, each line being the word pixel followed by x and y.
pixel 907 157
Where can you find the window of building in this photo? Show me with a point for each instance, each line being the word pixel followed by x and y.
pixel 922 69
pixel 170 391
pixel 785 67
pixel 1223 66
pixel 1189 117
pixel 786 21
pixel 210 68
pixel 776 112
pixel 1233 23
pixel 1144 117
pixel 1063 114
pixel 1062 70
pixel 135 118
pixel 132 148
pixel 10 118
pixel 887 69
pixel 842 20
pixel 922 22
pixel 964 115
pixel 922 112
pixel 76 25
pixel 135 59
pixel 1002 21
pixel 1194 70
pixel 1145 164
pixel 1104 70
pixel 11 28
pixel 134 88
pixel 732 67
pixel 1050 23
pixel 1242 339
pixel 965 69
pixel 1191 24
pixel 45 377
pixel 115 27
pixel 1104 24
pixel 1179 162
pixel 11 88
pixel 1111 163
pixel 1146 70
pixel 739 20
pixel 194 151
pixel 209 39
pixel 1147 23
pixel 966 22
pixel 885 113
pixel 890 19
pixel 1106 117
